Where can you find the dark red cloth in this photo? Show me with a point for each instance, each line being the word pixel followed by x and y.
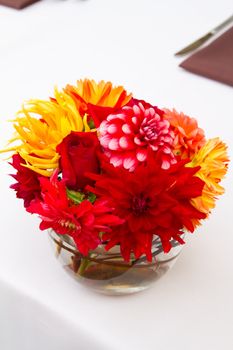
pixel 214 61
pixel 17 4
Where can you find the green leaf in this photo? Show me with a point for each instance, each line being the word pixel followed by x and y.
pixel 91 197
pixel 91 124
pixel 76 197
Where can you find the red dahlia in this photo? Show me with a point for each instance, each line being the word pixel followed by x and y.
pixel 152 201
pixel 83 222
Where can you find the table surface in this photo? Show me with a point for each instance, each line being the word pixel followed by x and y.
pixel 130 43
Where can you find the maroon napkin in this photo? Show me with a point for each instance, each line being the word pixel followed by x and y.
pixel 17 4
pixel 214 61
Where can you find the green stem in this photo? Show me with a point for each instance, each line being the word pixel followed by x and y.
pixel 83 266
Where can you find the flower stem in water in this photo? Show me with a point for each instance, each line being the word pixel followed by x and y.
pixel 83 266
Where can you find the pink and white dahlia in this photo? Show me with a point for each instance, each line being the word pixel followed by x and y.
pixel 128 135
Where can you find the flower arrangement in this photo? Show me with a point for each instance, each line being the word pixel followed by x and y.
pixel 98 165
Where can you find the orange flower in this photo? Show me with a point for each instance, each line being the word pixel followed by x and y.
pixel 101 94
pixel 189 138
pixel 213 159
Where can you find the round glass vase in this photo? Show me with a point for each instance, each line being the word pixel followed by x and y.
pixel 107 272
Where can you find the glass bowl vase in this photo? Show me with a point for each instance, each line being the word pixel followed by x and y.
pixel 107 272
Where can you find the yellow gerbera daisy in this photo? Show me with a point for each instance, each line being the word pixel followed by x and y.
pixel 101 94
pixel 41 125
pixel 213 159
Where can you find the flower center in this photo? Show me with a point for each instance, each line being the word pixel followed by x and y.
pixel 69 225
pixel 140 204
pixel 148 129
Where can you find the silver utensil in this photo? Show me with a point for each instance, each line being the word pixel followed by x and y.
pixel 197 43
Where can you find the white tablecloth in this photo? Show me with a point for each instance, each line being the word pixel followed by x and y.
pixel 130 42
